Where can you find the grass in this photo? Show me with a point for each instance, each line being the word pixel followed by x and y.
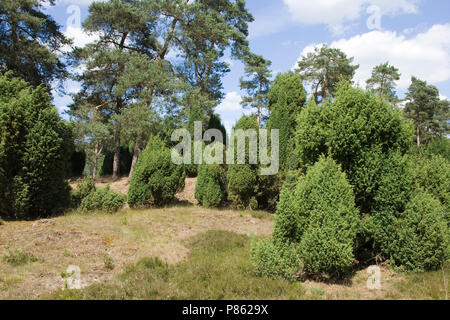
pixel 19 258
pixel 427 285
pixel 170 253
pixel 217 268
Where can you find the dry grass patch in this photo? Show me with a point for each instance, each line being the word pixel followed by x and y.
pixel 103 244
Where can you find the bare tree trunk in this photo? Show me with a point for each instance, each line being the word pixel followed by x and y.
pixel 97 152
pixel 135 155
pixel 116 163
pixel 418 137
pixel 325 87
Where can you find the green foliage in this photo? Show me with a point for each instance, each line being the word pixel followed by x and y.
pixel 320 217
pixel 357 130
pixel 243 186
pixel 276 262
pixel 156 179
pixel 286 99
pixel 395 188
pixel 103 199
pixel 440 146
pixel 243 180
pixel 382 82
pixel 427 111
pixel 433 175
pixel 257 86
pixel 34 149
pixel 324 68
pixel 210 190
pixel 422 235
pixel 30 42
pixel 19 258
pixel 83 189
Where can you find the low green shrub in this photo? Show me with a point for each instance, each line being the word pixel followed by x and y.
pixel 422 235
pixel 103 199
pixel 210 189
pixel 83 189
pixel 276 262
pixel 156 179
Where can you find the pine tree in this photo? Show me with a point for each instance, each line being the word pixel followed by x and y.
pixel 382 82
pixel 29 42
pixel 324 68
pixel 426 110
pixel 257 85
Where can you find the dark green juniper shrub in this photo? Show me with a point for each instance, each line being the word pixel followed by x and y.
pixel 432 173
pixel 359 132
pixel 156 179
pixel 103 199
pixel 243 180
pixel 35 146
pixel 210 189
pixel 422 236
pixel 318 218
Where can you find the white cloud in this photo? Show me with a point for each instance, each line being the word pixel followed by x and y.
pixel 426 55
pixel 335 13
pixel 79 37
pixel 231 103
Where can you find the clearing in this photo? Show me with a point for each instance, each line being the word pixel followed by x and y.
pixel 201 254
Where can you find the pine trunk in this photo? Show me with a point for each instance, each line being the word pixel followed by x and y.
pixel 116 163
pixel 418 137
pixel 135 155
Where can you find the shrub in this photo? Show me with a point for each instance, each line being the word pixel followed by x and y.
pixel 321 217
pixel 276 262
pixel 433 174
pixel 287 97
pixel 439 147
pixel 83 189
pixel 243 186
pixel 103 199
pixel 422 235
pixel 243 180
pixel 35 145
pixel 358 131
pixel 156 179
pixel 210 190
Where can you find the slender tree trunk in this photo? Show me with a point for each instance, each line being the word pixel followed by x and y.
pixel 258 117
pixel 325 87
pixel 116 163
pixel 135 155
pixel 418 137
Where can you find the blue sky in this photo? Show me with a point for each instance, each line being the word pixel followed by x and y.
pixel 413 35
